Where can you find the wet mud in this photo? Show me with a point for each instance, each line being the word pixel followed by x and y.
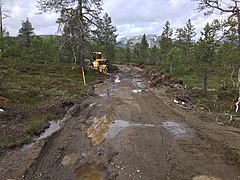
pixel 126 131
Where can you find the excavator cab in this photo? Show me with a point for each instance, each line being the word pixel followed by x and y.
pixel 99 63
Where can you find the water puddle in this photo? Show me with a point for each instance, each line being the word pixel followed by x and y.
pixel 203 177
pixel 54 126
pixel 27 146
pixel 117 80
pixel 93 104
pixel 69 159
pixel 108 93
pixel 119 125
pixel 104 128
pixel 134 91
pixel 91 172
pixel 140 85
pixel 177 129
pixel 98 130
pixel 116 127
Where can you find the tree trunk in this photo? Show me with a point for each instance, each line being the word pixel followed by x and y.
pixel 238 14
pixel 81 34
pixel 205 81
pixel 1 31
pixel 238 85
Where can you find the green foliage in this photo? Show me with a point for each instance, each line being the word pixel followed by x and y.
pixel 166 39
pixel 28 83
pixel 144 50
pixel 26 33
pixel 38 122
pixel 106 36
pixel 9 139
pixel 77 20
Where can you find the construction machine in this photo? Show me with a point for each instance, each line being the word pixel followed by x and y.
pixel 99 63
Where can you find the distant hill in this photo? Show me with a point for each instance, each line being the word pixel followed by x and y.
pixel 153 39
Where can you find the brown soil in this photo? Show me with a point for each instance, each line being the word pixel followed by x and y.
pixel 130 131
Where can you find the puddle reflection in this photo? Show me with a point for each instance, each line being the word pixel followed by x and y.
pixel 177 129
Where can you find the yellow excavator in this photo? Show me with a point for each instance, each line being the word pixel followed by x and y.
pixel 99 63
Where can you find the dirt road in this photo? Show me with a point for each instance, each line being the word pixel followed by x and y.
pixel 129 131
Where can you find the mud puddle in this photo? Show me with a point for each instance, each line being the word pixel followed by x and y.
pixel 98 130
pixel 119 125
pixel 104 128
pixel 139 84
pixel 54 126
pixel 69 159
pixel 108 93
pixel 91 172
pixel 203 177
pixel 178 130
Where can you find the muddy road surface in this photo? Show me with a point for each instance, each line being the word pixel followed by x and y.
pixel 128 131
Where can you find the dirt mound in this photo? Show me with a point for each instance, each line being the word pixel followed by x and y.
pixel 159 78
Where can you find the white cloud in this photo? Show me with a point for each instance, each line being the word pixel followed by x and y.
pixel 131 17
pixel 19 10
pixel 138 17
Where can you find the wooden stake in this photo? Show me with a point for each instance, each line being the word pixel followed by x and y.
pixel 84 80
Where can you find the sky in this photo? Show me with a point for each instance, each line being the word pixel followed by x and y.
pixel 131 17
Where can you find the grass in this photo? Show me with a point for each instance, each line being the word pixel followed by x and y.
pixel 36 123
pixel 29 85
pixel 9 139
pixel 222 93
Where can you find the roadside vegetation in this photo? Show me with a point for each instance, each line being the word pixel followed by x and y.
pixel 208 62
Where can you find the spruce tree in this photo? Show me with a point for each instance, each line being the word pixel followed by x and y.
pixel 106 36
pixel 144 53
pixel 166 39
pixel 26 32
pixel 207 48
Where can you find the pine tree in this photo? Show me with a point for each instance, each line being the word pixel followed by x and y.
pixel 190 34
pixel 127 53
pixel 166 45
pixel 166 39
pixel 25 33
pixel 228 7
pixel 190 31
pixel 77 17
pixel 207 48
pixel 106 36
pixel 144 53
